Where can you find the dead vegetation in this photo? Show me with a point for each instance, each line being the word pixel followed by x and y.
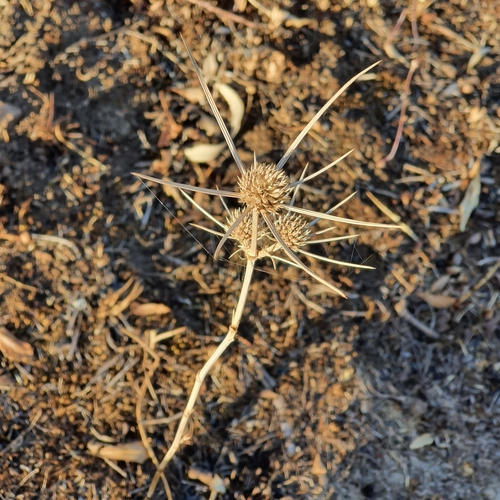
pixel 106 296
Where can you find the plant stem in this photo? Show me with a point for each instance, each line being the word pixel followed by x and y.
pixel 200 376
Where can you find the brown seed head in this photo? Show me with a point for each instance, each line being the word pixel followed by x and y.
pixel 265 188
pixel 243 232
pixel 293 229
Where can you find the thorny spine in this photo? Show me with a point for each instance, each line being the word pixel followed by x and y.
pixel 266 224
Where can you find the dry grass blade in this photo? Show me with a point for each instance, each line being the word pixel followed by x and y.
pixel 14 349
pixel 331 240
pixel 330 210
pixel 437 301
pixel 394 217
pixel 296 185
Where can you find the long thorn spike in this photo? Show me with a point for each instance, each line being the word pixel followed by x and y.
pixel 187 187
pixel 215 110
pixel 318 115
pixel 319 172
pixel 354 222
pixel 333 261
pixel 333 239
pixel 330 210
pixel 291 255
pixel 229 232
pixel 202 210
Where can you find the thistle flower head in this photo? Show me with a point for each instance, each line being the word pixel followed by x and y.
pixel 264 187
pixel 268 222
pixel 294 230
pixel 242 234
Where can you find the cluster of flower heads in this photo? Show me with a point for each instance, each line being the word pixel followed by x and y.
pixel 268 224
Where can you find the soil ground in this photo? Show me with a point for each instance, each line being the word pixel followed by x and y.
pixel 390 394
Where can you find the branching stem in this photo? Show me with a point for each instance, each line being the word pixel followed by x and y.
pixel 201 375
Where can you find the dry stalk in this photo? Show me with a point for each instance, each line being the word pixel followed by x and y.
pixel 200 376
pixel 267 225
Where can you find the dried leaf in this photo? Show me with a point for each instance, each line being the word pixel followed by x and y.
pixel 267 394
pixel 203 153
pixel 209 125
pixel 236 106
pixel 318 468
pixel 14 349
pixel 148 309
pixel 6 382
pixel 240 5
pixel 437 301
pixel 214 482
pixel 421 441
pixel 127 452
pixel 194 95
pixel 210 66
pixel 440 283
pixel 470 201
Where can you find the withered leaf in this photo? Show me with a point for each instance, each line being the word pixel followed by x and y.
pixel 14 349
pixel 128 452
pixel 470 201
pixel 421 441
pixel 440 283
pixel 437 301
pixel 194 95
pixel 236 106
pixel 318 467
pixel 204 153
pixel 148 309
pixel 214 482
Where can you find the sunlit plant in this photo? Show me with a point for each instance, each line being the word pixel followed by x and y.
pixel 267 224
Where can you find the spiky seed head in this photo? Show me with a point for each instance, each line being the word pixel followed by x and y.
pixel 264 188
pixel 293 229
pixel 243 231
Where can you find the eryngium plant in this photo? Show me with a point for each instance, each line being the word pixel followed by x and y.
pixel 267 225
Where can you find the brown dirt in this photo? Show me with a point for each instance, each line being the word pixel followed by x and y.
pixel 103 89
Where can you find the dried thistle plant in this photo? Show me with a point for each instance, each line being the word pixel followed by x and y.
pixel 267 225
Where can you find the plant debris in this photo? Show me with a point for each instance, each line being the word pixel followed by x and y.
pixel 102 89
